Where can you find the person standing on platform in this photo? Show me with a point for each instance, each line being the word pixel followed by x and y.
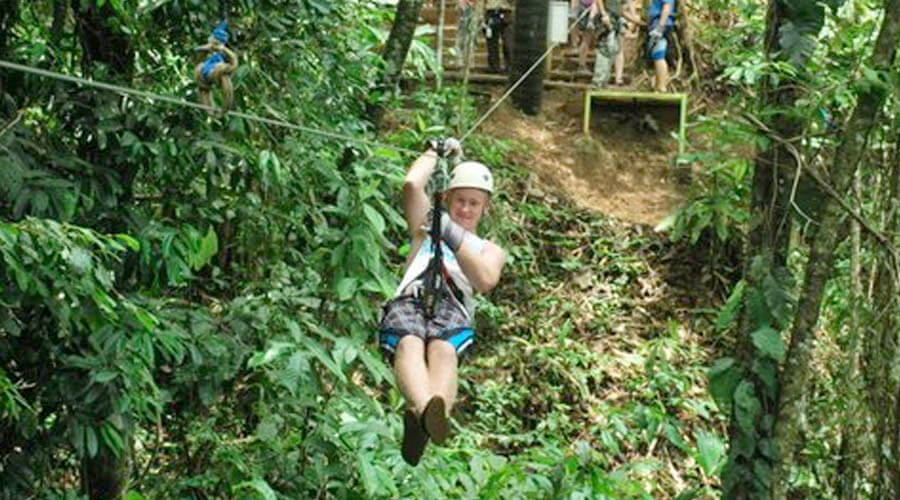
pixel 498 17
pixel 611 32
pixel 581 35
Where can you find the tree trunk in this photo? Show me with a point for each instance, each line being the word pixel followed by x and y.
pixel 529 44
pixel 825 240
pixel 104 41
pixel 9 14
pixel 848 464
pixel 766 249
pixel 100 40
pixel 394 56
pixel 105 475
pixel 880 350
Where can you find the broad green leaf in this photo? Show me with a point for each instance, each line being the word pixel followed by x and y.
pixel 729 311
pixel 209 246
pixel 77 438
pixel 710 452
pixel 724 377
pixel 259 486
pixel 766 370
pixel 375 218
pixel 103 377
pixel 346 288
pixel 368 475
pixel 747 408
pixel 316 349
pixel 273 352
pixel 90 441
pixel 112 438
pixel 130 242
pixel 133 495
pixel 762 472
pixel 769 343
pixel 129 139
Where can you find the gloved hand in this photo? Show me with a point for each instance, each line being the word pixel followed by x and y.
pixel 590 25
pixel 452 233
pixel 573 13
pixel 452 147
pixel 449 147
pixel 655 35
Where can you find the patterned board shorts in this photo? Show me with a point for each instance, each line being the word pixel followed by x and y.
pixel 405 315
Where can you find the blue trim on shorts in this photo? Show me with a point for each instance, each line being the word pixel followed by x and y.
pixel 460 338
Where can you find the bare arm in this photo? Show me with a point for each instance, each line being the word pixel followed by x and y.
pixel 415 200
pixel 483 269
pixel 597 8
pixel 231 57
pixel 631 17
pixel 664 14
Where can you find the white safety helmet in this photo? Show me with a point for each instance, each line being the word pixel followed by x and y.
pixel 472 174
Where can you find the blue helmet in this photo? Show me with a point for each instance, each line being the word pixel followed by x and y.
pixel 220 33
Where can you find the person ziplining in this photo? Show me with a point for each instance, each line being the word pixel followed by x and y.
pixel 428 324
pixel 217 69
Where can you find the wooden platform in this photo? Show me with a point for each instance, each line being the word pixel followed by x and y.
pixel 635 97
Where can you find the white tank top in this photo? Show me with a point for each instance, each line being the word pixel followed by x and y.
pixel 420 263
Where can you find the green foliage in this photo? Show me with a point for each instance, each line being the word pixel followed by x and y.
pixel 196 295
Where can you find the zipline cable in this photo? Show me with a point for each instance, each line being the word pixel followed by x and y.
pixel 278 123
pixel 182 102
pixel 520 80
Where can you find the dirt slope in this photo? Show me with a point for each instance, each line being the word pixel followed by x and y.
pixel 622 170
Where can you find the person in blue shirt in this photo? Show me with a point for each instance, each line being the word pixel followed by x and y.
pixel 216 69
pixel 662 20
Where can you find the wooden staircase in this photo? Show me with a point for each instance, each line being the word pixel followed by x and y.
pixel 562 63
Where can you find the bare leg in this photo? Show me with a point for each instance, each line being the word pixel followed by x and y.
pixel 619 65
pixel 442 377
pixel 227 93
pixel 442 364
pixel 205 98
pixel 582 51
pixel 412 373
pixel 662 74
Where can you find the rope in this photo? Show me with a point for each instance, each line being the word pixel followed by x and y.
pixel 278 123
pixel 181 102
pixel 520 80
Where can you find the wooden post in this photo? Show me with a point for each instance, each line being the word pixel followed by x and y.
pixel 440 45
pixel 679 99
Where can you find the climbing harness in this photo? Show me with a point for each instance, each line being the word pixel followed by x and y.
pixel 434 273
pixel 217 69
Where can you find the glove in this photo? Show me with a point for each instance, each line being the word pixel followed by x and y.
pixel 452 233
pixel 573 13
pixel 449 147
pixel 452 147
pixel 655 35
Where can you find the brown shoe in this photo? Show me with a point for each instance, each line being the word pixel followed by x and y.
pixel 435 420
pixel 414 438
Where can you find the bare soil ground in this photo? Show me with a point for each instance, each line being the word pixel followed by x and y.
pixel 621 170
